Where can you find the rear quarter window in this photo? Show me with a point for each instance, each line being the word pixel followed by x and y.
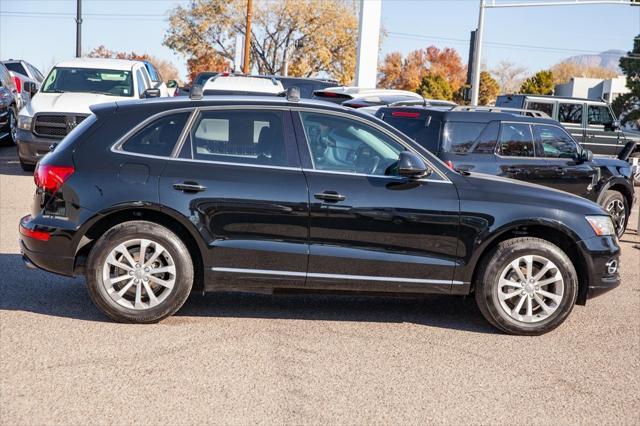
pixel 459 137
pixel 159 137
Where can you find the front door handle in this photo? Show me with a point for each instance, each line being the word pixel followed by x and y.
pixel 189 187
pixel 329 196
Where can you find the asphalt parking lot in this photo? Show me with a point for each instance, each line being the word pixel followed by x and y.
pixel 227 358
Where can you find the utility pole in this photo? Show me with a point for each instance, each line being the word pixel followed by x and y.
pixel 477 59
pixel 79 29
pixel 247 38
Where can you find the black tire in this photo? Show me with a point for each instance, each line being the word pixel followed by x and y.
pixel 488 277
pixel 139 230
pixel 615 204
pixel 27 167
pixel 13 125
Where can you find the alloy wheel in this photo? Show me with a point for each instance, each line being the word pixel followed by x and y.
pixel 530 289
pixel 139 274
pixel 13 127
pixel 616 210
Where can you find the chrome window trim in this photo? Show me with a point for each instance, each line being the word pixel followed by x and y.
pixel 337 276
pixel 399 178
pixel 375 126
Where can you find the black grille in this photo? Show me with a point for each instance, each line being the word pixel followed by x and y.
pixel 56 125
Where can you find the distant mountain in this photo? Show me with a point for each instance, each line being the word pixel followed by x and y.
pixel 609 59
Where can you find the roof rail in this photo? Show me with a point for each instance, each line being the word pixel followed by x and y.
pixel 530 112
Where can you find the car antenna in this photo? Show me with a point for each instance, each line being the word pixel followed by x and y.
pixel 195 93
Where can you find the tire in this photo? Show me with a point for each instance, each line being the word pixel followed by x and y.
pixel 27 167
pixel 616 205
pixel 497 267
pixel 13 125
pixel 105 281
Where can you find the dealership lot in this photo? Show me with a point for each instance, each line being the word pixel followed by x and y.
pixel 284 359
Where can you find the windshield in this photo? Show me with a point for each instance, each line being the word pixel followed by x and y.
pixel 87 80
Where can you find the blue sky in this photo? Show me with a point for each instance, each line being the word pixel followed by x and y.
pixel 43 31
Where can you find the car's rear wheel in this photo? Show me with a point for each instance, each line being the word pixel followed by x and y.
pixel 526 286
pixel 139 272
pixel 616 205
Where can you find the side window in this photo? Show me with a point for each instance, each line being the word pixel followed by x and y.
pixel 545 107
pixel 570 113
pixel 486 142
pixel 141 83
pixel 516 140
pixel 159 137
pixel 599 115
pixel 246 137
pixel 555 142
pixel 345 145
pixel 459 137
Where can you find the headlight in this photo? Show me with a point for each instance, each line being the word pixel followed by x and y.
pixel 602 225
pixel 24 122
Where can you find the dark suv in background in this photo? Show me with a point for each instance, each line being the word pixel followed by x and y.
pixel 591 123
pixel 273 193
pixel 10 104
pixel 520 147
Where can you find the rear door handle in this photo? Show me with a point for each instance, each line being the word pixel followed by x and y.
pixel 329 196
pixel 189 187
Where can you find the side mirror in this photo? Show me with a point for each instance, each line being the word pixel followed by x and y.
pixel 615 125
pixel 171 84
pixel 30 87
pixel 151 93
pixel 586 155
pixel 411 166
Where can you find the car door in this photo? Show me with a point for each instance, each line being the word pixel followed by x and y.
pixel 369 229
pixel 570 115
pixel 238 180
pixel 601 136
pixel 567 170
pixel 516 156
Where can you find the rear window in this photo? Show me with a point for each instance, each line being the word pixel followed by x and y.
pixel 16 67
pixel 425 132
pixel 459 137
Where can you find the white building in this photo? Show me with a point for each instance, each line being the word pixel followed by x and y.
pixel 593 88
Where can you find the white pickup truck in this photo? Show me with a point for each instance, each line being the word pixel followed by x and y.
pixel 66 94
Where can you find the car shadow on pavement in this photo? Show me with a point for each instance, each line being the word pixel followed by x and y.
pixel 39 292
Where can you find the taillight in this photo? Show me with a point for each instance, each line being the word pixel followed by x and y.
pixel 405 114
pixel 37 235
pixel 449 164
pixel 50 178
pixel 18 83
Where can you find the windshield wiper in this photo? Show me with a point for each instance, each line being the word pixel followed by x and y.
pixel 53 91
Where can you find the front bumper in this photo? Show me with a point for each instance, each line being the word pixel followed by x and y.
pixel 32 148
pixel 602 258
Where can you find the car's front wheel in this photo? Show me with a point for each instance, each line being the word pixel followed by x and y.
pixel 526 286
pixel 139 272
pixel 616 205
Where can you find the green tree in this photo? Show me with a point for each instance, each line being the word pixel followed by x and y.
pixel 627 105
pixel 540 84
pixel 435 86
pixel 489 89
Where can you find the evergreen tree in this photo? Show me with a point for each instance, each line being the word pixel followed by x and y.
pixel 540 84
pixel 627 105
pixel 435 86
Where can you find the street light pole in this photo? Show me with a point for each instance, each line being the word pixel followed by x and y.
pixel 79 29
pixel 475 82
pixel 247 38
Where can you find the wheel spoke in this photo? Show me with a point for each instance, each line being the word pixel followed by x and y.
pixel 144 244
pixel 138 302
pixel 158 250
pixel 507 296
pixel 529 262
pixel 557 277
pixel 516 310
pixel 543 271
pixel 125 252
pixel 165 283
pixel 516 267
pixel 124 289
pixel 111 260
pixel 529 307
pixel 153 300
pixel 555 297
pixel 546 308
pixel 506 283
pixel 112 281
pixel 170 269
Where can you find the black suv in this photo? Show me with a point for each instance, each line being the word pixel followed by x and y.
pixel 10 103
pixel 269 193
pixel 520 147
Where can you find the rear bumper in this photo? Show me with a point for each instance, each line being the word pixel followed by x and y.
pixel 32 148
pixel 47 255
pixel 602 257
